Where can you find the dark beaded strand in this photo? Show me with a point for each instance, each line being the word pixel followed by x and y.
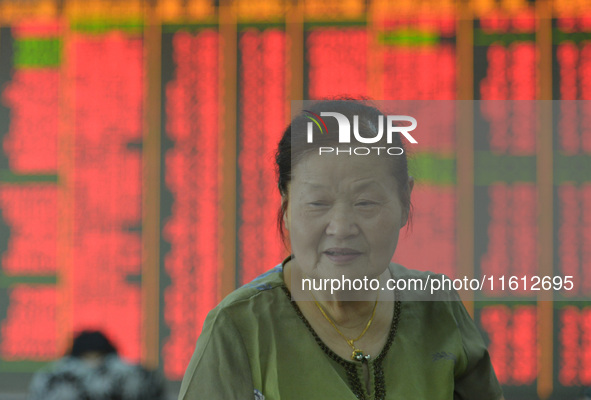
pixel 350 366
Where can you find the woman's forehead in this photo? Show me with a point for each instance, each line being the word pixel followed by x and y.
pixel 341 164
pixel 358 172
pixel 357 184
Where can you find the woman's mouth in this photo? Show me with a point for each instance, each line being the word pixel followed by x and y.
pixel 341 255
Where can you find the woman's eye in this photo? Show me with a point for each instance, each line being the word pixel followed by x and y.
pixel 317 203
pixel 365 203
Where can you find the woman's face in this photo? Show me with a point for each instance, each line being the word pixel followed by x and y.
pixel 344 215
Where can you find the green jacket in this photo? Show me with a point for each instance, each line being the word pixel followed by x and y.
pixel 256 345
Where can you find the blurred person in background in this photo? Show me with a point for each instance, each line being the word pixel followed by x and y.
pixel 93 370
pixel 585 394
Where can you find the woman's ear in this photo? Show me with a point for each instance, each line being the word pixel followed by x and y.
pixel 285 209
pixel 405 217
pixel 411 185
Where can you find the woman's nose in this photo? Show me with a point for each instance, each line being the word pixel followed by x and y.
pixel 341 222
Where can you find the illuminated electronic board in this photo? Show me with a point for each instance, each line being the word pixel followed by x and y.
pixel 505 184
pixel 190 155
pixel 570 53
pixel 261 121
pixel 81 164
pixel 29 192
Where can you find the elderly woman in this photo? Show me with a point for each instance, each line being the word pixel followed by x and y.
pixel 343 214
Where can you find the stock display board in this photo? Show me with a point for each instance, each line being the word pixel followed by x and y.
pixel 506 223
pixel 136 163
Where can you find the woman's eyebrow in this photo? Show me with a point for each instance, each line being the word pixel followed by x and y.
pixel 314 185
pixel 365 185
pixel 356 186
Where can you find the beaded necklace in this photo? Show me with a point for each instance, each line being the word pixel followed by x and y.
pixel 357 354
pixel 351 366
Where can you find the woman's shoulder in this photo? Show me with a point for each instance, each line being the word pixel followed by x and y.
pixel 257 303
pixel 403 272
pixel 400 272
pixel 421 285
pixel 262 289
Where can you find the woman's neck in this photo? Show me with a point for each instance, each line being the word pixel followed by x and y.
pixel 346 309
